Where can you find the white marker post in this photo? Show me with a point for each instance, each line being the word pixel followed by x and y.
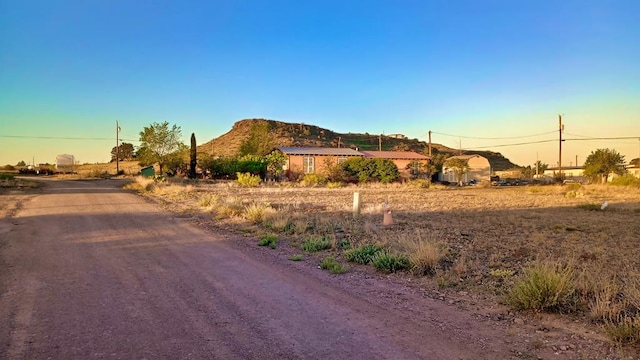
pixel 356 204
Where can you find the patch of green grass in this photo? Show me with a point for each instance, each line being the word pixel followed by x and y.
pixel 332 265
pixel 544 286
pixel 269 240
pixel 387 262
pixel 316 244
pixel 363 254
pixel 7 176
pixel 296 258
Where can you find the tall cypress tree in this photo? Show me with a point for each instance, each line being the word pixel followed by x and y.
pixel 193 162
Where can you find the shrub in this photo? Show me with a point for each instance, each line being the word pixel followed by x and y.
pixel 6 177
pixel 248 180
pixel 544 286
pixel 626 180
pixel 332 265
pixel 624 329
pixel 363 254
pixel 334 185
pixel 257 212
pixel 425 258
pixel 363 169
pixel 208 199
pixel 314 179
pixel 387 262
pixel 420 183
pixel 315 245
pixel 268 240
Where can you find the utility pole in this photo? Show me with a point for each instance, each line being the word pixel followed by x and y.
pixel 379 142
pixel 339 140
pixel 429 142
pixel 560 144
pixel 117 148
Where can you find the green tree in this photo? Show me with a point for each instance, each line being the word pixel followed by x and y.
pixel 178 161
pixel 21 163
pixel 159 143
pixel 275 161
pixel 635 162
pixel 193 157
pixel 383 170
pixel 259 142
pixel 458 166
pixel 602 163
pixel 125 152
pixel 540 167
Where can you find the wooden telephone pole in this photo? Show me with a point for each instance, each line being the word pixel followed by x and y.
pixel 117 148
pixel 560 128
pixel 429 142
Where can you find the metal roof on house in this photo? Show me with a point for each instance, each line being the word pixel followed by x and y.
pixel 398 155
pixel 319 151
pixel 466 157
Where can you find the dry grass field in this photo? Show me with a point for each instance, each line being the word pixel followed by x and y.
pixel 105 169
pixel 535 248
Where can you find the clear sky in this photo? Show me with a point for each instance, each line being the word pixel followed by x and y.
pixel 472 69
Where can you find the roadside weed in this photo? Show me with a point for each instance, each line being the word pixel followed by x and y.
pixel 332 265
pixel 316 244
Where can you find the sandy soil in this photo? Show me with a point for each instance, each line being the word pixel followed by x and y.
pixel 92 271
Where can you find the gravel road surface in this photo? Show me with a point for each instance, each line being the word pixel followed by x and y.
pixel 91 271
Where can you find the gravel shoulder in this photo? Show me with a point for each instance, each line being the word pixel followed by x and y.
pixel 92 271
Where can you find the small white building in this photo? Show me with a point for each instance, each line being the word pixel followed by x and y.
pixel 64 163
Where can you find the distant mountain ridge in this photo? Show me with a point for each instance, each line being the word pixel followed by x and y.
pixel 278 133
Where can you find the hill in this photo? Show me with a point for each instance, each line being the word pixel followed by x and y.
pixel 261 135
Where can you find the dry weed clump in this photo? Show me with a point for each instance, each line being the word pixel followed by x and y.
pixel 544 286
pixel 141 184
pixel 257 211
pixel 425 256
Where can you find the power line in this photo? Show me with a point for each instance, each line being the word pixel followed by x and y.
pixel 606 138
pixel 59 138
pixel 512 144
pixel 494 138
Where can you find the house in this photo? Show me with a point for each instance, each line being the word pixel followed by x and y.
pixel 575 173
pixel 313 160
pixel 402 159
pixel 634 170
pixel 479 169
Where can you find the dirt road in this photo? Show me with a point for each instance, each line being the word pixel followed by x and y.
pixel 89 271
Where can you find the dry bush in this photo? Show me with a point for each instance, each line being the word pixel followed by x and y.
pixel 425 257
pixel 278 222
pixel 257 212
pixel 141 184
pixel 230 207
pixel 208 200
pixel 544 286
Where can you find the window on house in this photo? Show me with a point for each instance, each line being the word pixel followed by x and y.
pixel 341 160
pixel 308 165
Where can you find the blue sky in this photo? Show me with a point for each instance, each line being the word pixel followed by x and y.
pixel 474 69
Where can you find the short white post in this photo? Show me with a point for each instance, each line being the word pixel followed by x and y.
pixel 356 204
pixel 387 219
